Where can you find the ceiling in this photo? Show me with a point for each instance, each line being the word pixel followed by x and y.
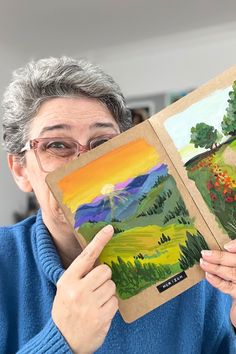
pixel 55 27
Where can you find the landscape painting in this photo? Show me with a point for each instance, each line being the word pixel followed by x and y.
pixel 131 188
pixel 205 137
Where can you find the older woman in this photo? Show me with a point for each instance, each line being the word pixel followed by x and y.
pixel 52 298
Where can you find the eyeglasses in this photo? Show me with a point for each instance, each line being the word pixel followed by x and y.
pixel 51 153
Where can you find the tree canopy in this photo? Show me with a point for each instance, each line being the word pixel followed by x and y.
pixel 228 124
pixel 204 135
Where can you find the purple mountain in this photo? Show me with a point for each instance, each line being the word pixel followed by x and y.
pixel 125 201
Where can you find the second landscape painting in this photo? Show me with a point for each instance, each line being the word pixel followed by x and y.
pixel 205 137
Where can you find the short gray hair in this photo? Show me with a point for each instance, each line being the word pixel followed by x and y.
pixel 41 80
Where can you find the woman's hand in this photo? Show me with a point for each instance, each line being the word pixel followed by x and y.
pixel 85 302
pixel 220 268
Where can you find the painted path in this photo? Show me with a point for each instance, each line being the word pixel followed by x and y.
pixel 230 156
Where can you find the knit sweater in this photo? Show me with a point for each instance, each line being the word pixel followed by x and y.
pixel 197 321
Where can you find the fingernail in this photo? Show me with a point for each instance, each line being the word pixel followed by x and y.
pixel 230 246
pixel 108 228
pixel 206 253
pixel 203 262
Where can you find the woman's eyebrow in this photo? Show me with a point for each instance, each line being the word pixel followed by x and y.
pixel 55 127
pixel 102 125
pixel 68 127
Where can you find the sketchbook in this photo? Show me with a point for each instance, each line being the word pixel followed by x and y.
pixel 168 187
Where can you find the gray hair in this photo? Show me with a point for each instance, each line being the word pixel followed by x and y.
pixel 41 80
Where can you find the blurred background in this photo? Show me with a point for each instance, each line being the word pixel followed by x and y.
pixel 157 50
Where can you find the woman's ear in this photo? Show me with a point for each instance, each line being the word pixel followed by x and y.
pixel 19 173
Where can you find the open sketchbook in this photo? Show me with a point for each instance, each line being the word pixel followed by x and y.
pixel 168 187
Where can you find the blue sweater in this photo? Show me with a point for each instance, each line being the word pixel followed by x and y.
pixel 194 322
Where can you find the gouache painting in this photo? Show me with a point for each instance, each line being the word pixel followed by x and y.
pixel 205 137
pixel 131 188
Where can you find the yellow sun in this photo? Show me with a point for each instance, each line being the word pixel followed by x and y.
pixel 110 193
pixel 108 189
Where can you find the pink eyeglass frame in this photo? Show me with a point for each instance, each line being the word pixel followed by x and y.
pixel 33 145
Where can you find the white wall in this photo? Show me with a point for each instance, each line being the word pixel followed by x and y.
pixel 11 198
pixel 170 63
pixel 143 68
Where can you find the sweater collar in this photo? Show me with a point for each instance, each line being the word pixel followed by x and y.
pixel 47 253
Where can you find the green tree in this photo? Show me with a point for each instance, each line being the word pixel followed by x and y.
pixel 204 135
pixel 190 253
pixel 228 124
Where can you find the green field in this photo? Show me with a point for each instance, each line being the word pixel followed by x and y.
pixel 144 240
pixel 233 144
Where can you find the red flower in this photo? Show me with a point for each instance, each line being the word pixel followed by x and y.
pixel 229 199
pixel 213 196
pixel 209 185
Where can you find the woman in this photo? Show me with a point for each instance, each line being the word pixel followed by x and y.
pixel 52 298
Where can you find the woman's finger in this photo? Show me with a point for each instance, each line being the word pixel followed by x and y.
pixel 97 276
pixel 225 286
pixel 223 258
pixel 231 246
pixel 226 273
pixel 105 292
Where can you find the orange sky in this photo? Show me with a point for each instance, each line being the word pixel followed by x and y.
pixel 127 161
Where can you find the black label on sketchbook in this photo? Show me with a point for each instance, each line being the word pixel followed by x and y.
pixel 172 281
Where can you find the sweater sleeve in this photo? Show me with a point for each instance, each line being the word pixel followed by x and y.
pixel 49 340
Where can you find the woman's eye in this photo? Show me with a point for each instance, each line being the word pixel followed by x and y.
pixel 97 142
pixel 60 148
pixel 57 145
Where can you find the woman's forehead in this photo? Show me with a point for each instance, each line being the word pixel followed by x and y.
pixel 65 107
pixel 69 113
